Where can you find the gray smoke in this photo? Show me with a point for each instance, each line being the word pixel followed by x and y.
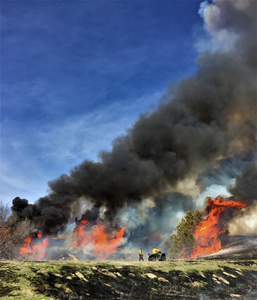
pixel 245 186
pixel 225 170
pixel 244 221
pixel 208 117
pixel 160 218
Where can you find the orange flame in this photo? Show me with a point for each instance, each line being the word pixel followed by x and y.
pixel 4 232
pixel 208 232
pixel 102 244
pixel 36 251
pixel 80 238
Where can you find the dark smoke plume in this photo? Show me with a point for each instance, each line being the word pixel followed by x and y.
pixel 91 215
pixel 208 117
pixel 245 187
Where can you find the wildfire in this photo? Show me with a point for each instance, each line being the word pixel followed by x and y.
pixel 37 251
pixel 210 230
pixel 102 244
pixel 79 236
pixel 4 232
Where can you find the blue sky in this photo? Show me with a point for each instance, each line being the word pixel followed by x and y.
pixel 77 74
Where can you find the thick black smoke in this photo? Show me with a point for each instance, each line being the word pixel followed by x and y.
pixel 24 209
pixel 91 215
pixel 245 186
pixel 208 117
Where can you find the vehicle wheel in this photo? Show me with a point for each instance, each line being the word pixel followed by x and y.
pixel 163 257
pixel 152 258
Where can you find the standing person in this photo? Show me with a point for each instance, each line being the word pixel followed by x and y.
pixel 141 255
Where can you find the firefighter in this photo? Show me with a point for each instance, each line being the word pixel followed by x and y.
pixel 140 255
pixel 157 252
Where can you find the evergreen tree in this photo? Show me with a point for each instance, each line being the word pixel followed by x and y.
pixel 198 217
pixel 183 240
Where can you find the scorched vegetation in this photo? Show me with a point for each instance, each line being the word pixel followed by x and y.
pixel 178 279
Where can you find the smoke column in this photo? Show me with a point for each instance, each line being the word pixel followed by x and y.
pixel 207 118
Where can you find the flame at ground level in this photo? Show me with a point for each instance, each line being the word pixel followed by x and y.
pixel 79 237
pixel 102 244
pixel 36 251
pixel 4 232
pixel 208 233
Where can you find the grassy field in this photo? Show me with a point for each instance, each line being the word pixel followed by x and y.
pixel 178 279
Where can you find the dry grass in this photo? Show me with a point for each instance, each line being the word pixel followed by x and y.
pixel 32 280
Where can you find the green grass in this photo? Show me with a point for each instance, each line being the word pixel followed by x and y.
pixel 32 280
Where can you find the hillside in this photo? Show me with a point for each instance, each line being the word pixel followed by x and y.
pixel 213 278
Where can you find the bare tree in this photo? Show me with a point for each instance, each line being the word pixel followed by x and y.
pixel 4 212
pixel 13 231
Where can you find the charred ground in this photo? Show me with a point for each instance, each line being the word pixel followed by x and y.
pixel 233 277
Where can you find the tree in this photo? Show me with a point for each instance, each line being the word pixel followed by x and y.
pixel 183 240
pixel 13 231
pixel 198 217
pixel 4 212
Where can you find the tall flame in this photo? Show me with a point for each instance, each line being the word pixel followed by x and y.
pixel 102 244
pixel 208 232
pixel 79 236
pixel 37 251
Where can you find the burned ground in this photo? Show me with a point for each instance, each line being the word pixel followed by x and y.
pixel 7 275
pixel 212 278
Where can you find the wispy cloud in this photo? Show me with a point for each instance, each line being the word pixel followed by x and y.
pixel 36 154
